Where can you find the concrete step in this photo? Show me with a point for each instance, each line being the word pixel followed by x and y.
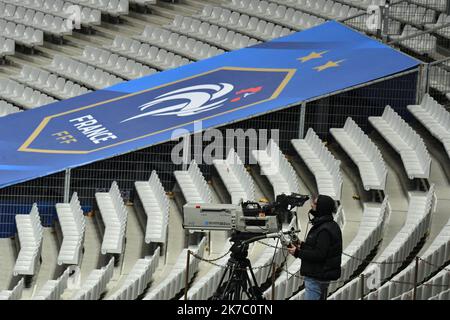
pixel 133 251
pixel 7 261
pixel 49 255
pixel 149 18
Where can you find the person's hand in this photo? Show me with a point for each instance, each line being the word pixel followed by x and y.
pixel 291 249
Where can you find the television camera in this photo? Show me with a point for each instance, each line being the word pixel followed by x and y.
pixel 249 222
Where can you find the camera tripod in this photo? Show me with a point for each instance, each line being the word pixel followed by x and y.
pixel 239 282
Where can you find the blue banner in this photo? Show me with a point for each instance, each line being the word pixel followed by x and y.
pixel 230 87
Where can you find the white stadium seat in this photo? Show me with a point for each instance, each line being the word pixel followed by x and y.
pixel 435 118
pixel 114 215
pixel 405 141
pixel 7 108
pixel 138 278
pixel 364 154
pixel 156 206
pixel 174 282
pixel 73 224
pixel 29 229
pixel 322 164
pixel 95 284
pixel 417 224
pixel 53 289
pixel 193 185
pixel 15 293
pixel 236 178
pixel 277 168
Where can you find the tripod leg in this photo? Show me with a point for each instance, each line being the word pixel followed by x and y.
pixel 256 291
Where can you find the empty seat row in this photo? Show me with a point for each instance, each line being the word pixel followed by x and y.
pixel 364 154
pixel 27 36
pixel 236 178
pixel 82 73
pixel 437 255
pixel 412 13
pixel 172 41
pixel 110 7
pixel 29 229
pixel 144 53
pixel 73 225
pixel 443 19
pixel 322 164
pixel 36 19
pixel 405 141
pixel 7 47
pixel 23 96
pixel 114 215
pixel 49 83
pixel 435 118
pixel 15 293
pixel 95 284
pixel 439 79
pixel 296 14
pixel 390 260
pixel 156 206
pixel 241 22
pixel 53 289
pixel 60 8
pixel 113 63
pixel 429 289
pixel 138 278
pixel 370 233
pixel 440 5
pixel 7 108
pixel 214 34
pixel 206 286
pixel 193 185
pixel 174 282
pixel 422 44
pixel 277 168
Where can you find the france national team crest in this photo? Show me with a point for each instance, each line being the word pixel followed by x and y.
pixel 138 115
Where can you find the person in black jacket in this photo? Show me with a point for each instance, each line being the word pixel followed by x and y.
pixel 321 252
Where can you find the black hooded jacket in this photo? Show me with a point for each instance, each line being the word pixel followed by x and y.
pixel 321 252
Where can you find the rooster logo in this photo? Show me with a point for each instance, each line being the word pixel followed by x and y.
pixel 192 100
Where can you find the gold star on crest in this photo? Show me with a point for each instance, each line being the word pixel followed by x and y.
pixel 312 55
pixel 329 64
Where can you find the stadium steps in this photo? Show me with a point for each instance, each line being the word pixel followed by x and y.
pixel 169 10
pixel 91 257
pixel 174 246
pixel 133 251
pixel 7 71
pixel 8 258
pixel 81 40
pixel 442 214
pixel 125 29
pixel 92 248
pixel 49 50
pixel 148 18
pixel 47 268
pixel 200 4
pixel 398 201
pixel 353 210
pixel 136 22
